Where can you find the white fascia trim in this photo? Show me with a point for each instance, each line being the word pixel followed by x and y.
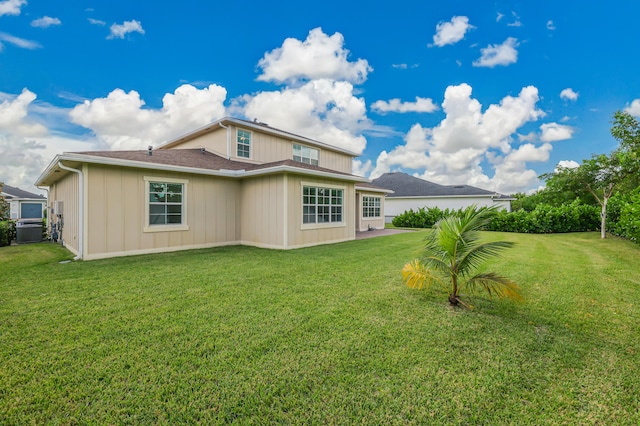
pixel 192 170
pixel 247 124
pixel 368 189
pixel 48 171
pixel 307 172
pixel 95 159
pixel 435 197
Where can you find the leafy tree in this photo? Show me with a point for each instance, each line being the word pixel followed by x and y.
pixel 4 206
pixel 453 253
pixel 603 175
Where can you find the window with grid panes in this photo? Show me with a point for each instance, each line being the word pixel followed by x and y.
pixel 306 155
pixel 244 143
pixel 321 205
pixel 165 203
pixel 371 206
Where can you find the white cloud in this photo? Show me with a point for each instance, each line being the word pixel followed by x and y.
pixel 121 122
pixel 45 22
pixel 529 137
pixel 96 22
pixel 11 7
pixel 318 57
pixel 360 168
pixel 120 30
pixel 18 42
pixel 13 116
pixel 20 158
pixel 396 105
pixel 567 164
pixel 552 132
pixel 569 95
pixel 467 138
pixel 550 25
pixel 498 54
pixel 451 32
pixel 634 108
pixel 499 17
pixel 324 110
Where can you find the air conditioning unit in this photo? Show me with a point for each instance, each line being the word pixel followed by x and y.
pixel 58 207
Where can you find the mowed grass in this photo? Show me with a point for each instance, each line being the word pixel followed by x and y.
pixel 324 335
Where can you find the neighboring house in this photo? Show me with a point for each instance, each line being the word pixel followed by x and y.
pixel 231 182
pixel 23 204
pixel 413 193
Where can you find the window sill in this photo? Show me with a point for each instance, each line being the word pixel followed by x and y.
pixel 308 226
pixel 165 228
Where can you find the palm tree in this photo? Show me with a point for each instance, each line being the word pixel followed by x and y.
pixel 453 252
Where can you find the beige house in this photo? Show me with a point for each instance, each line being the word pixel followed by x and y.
pixel 231 182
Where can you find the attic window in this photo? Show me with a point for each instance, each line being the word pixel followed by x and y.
pixel 306 155
pixel 244 143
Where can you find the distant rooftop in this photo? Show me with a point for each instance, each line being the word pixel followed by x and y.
pixel 13 192
pixel 404 185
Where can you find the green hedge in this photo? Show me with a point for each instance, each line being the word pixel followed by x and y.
pixel 546 219
pixel 7 232
pixel 424 217
pixel 623 215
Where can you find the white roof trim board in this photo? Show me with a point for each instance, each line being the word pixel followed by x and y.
pixel 83 158
pixel 261 127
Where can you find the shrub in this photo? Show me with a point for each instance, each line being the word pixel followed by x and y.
pixel 424 217
pixel 546 219
pixel 627 224
pixel 7 232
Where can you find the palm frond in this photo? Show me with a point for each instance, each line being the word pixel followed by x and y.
pixel 495 285
pixel 417 275
pixel 480 253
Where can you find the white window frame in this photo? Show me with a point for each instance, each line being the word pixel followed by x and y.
pixel 369 210
pixel 330 224
pixel 249 144
pixel 303 149
pixel 167 227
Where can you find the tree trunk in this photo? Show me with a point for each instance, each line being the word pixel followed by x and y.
pixel 603 218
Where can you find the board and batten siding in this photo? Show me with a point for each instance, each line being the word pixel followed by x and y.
pixel 116 200
pixel 265 148
pixel 262 211
pixel 301 236
pixel 214 141
pixel 365 223
pixel 66 190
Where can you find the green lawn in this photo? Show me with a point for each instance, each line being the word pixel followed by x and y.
pixel 324 335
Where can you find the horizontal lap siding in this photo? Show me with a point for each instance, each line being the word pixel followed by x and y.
pixel 396 206
pixel 116 212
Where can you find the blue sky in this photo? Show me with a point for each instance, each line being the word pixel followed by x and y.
pixel 490 94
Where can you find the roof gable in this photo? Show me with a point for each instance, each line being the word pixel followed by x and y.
pixel 255 126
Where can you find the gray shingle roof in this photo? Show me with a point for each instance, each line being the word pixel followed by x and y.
pixel 199 159
pixel 404 185
pixel 14 192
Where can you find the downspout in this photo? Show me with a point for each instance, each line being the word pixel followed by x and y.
pixel 46 207
pixel 228 140
pixel 80 206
